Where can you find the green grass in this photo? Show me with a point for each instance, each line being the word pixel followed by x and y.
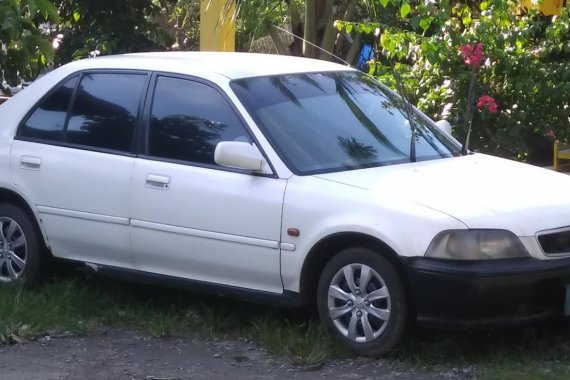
pixel 76 306
pixel 79 304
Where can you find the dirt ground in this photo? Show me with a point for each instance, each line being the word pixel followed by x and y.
pixel 121 354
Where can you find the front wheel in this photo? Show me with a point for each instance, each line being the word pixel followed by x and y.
pixel 361 299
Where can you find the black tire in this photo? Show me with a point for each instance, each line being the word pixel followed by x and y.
pixel 383 335
pixel 32 252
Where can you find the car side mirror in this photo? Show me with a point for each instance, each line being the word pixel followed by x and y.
pixel 241 155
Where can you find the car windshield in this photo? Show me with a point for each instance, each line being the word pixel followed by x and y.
pixel 336 121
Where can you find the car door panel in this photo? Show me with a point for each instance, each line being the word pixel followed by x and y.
pixel 192 218
pixel 85 218
pixel 73 157
pixel 209 225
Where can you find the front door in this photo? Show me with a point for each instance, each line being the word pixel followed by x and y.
pixel 192 218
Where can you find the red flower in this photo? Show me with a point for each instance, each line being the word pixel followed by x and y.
pixel 489 102
pixel 472 54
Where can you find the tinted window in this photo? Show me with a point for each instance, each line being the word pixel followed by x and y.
pixel 48 119
pixel 326 122
pixel 105 111
pixel 188 119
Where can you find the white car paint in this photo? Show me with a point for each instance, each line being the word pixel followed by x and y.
pixel 231 228
pixel 321 208
pixel 208 225
pixel 480 190
pixel 83 202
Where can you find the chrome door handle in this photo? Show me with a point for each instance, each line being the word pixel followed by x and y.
pixel 157 181
pixel 30 162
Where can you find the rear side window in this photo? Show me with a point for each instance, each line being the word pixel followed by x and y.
pixel 188 119
pixel 47 121
pixel 105 110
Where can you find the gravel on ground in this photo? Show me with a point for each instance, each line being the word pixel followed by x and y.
pixel 125 354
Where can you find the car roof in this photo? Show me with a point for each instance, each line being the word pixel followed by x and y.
pixel 230 65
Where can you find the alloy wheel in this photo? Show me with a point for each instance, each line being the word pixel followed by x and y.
pixel 359 303
pixel 13 250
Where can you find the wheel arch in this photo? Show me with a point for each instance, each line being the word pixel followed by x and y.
pixel 327 247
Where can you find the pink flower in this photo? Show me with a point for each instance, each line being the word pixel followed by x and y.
pixel 550 133
pixel 472 54
pixel 489 102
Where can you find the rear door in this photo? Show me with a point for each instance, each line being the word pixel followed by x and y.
pixel 191 217
pixel 73 156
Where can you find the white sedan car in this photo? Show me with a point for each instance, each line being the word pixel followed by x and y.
pixel 279 179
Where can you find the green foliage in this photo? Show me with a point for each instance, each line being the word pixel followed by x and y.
pixel 256 18
pixel 181 20
pixel 24 50
pixel 309 23
pixel 88 27
pixel 527 69
pixel 100 27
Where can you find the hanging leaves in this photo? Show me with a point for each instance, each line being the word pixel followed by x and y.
pixel 405 10
pixel 28 47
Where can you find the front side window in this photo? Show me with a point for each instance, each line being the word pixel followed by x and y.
pixel 47 121
pixel 335 121
pixel 105 110
pixel 188 119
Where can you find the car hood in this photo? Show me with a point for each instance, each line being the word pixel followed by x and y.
pixel 481 191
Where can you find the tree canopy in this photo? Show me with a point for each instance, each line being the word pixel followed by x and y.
pixel 32 29
pixel 525 67
pixel 94 27
pixel 24 48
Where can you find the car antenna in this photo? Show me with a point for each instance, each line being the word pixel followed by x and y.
pixel 469 116
pixel 313 45
pixel 400 87
pixel 408 108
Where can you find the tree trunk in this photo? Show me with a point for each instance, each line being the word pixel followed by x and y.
pixel 311 26
pixel 354 49
pixel 296 47
pixel 341 37
pixel 329 32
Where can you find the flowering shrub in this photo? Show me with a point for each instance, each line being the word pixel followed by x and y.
pixel 488 102
pixel 472 54
pixel 526 68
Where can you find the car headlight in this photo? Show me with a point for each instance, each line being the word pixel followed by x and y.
pixel 476 245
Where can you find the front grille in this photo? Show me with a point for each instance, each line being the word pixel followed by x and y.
pixel 555 242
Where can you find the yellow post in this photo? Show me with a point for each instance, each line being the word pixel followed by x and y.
pixel 546 7
pixel 217 25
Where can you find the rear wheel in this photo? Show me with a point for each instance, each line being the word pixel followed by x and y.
pixel 361 299
pixel 20 247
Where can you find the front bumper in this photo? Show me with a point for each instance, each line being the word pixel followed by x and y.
pixel 471 293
